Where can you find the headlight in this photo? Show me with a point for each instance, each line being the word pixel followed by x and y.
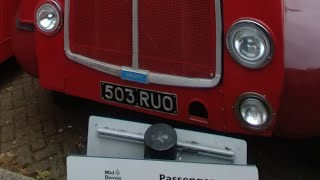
pixel 49 18
pixel 253 111
pixel 250 44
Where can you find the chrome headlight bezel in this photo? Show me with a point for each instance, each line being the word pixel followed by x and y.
pixel 261 99
pixel 263 33
pixel 55 7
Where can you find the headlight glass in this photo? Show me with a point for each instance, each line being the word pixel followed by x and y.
pixel 49 18
pixel 253 111
pixel 250 44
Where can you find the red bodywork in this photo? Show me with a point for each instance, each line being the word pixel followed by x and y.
pixel 7 13
pixel 109 39
pixel 299 115
pixel 17 33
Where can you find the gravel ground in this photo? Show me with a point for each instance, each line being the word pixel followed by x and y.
pixel 37 132
pixel 5 175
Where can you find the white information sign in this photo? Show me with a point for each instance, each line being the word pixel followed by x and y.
pixel 94 168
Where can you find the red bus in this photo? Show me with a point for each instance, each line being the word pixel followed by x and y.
pixel 246 66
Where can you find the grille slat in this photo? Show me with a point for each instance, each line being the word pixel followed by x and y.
pixel 177 35
pixel 105 27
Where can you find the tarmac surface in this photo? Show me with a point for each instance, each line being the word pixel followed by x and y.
pixel 38 132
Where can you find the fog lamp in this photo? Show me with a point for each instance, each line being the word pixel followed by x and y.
pixel 253 111
pixel 49 18
pixel 250 44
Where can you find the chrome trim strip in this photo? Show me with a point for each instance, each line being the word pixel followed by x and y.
pixel 139 138
pixel 219 42
pixel 94 64
pixel 135 34
pixel 156 78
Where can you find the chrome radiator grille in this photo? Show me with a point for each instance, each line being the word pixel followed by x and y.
pixel 177 42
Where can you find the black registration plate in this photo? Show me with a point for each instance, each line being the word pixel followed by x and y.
pixel 152 100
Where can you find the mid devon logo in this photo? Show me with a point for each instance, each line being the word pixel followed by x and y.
pixel 112 174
